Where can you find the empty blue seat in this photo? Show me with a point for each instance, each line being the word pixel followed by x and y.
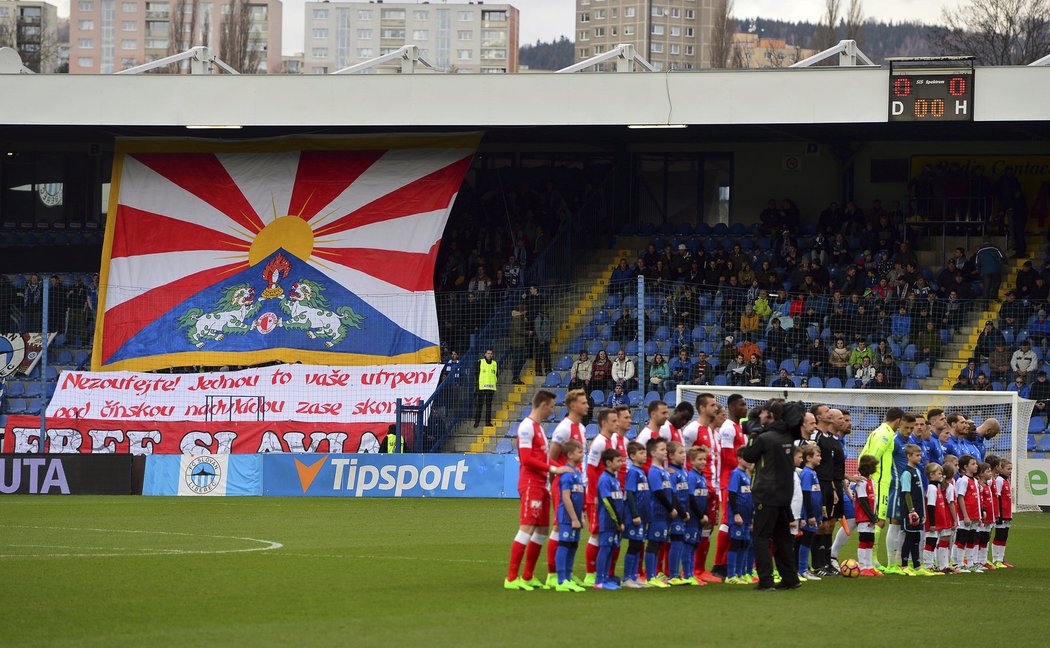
pixel 82 358
pixel 33 390
pixel 920 371
pixel 816 383
pixel 631 348
pixel 598 396
pixel 564 363
pixel 15 389
pixel 720 380
pixel 600 318
pixel 1037 425
pixel 650 348
pixel 1031 443
pixel 605 332
pixel 834 383
pixel 33 406
pixel 591 431
pixel 52 373
pixel 612 348
pixel 802 369
pixel 705 347
pixel 912 385
pixel 634 396
pixel 576 345
pixel 594 347
pixel 650 397
pixel 1044 444
pixel 553 379
pixel 662 333
pixel 504 446
pixel 64 357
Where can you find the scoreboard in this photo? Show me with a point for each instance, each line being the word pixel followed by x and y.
pixel 925 94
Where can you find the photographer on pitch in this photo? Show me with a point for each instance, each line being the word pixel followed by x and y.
pixel 770 448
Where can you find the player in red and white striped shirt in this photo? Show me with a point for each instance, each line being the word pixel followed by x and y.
pixel 657 418
pixel 608 422
pixel 535 511
pixel 702 432
pixel 570 428
pixel 1004 498
pixel 731 438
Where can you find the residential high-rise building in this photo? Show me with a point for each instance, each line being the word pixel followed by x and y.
pixel 31 28
pixel 107 36
pixel 670 34
pixel 470 37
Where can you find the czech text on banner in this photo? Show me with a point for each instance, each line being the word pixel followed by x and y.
pixel 296 250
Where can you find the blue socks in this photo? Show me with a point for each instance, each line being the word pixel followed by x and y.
pixel 803 558
pixel 688 560
pixel 604 563
pixel 674 558
pixel 630 566
pixel 650 562
pixel 562 564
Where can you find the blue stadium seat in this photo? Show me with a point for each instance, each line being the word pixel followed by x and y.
pixel 1037 425
pixel 912 385
pixel 52 373
pixel 564 363
pixel 816 383
pixel 802 369
pixel 920 371
pixel 600 318
pixel 553 379
pixel 613 301
pixel 612 348
pixel 662 333
pixel 788 364
pixel 594 347
pixel 905 368
pixel 559 395
pixel 634 396
pixel 33 390
pixel 910 352
pixel 576 345
pixel 605 332
pixel 834 383
pixel 504 446
pixel 15 389
pixel 33 406
pixel 650 348
pixel 1044 444
pixel 771 368
pixel 631 348
pixel 589 332
pixel 598 396
pixel 591 431
pixel 671 398
pixel 82 358
pixel 699 334
pixel 720 380
pixel 650 397
pixel 64 357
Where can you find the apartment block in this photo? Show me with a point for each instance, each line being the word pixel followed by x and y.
pixel 31 28
pixel 470 37
pixel 107 36
pixel 670 34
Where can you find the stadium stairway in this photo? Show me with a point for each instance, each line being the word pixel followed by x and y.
pixel 961 349
pixel 594 275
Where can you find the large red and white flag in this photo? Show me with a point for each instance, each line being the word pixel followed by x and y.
pixel 295 250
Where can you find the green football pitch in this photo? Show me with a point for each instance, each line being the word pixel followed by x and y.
pixel 113 571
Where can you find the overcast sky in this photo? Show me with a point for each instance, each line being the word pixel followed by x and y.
pixel 549 19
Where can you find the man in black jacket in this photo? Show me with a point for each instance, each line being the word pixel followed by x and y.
pixel 772 488
pixel 830 472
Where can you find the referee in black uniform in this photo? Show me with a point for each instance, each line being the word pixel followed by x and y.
pixel 830 472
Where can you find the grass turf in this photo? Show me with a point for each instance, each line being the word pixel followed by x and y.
pixel 105 571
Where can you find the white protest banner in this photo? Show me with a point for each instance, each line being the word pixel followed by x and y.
pixel 283 393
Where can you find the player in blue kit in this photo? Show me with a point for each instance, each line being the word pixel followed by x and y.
pixel 920 434
pixel 698 518
pixel 569 511
pixel 812 508
pixel 610 517
pixel 639 510
pixel 664 508
pixel 894 531
pixel 676 531
pixel 741 511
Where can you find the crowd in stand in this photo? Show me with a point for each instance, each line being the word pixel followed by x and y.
pixel 72 302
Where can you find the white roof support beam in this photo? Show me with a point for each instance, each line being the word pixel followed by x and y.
pixel 1045 61
pixel 200 57
pixel 407 57
pixel 624 54
pixel 848 54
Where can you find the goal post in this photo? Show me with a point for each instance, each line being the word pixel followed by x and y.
pixel 867 410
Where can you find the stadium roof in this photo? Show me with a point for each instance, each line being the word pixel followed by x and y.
pixel 821 95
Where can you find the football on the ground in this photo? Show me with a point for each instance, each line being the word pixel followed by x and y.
pixel 850 568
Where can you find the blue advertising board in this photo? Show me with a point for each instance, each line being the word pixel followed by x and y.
pixel 204 475
pixel 396 475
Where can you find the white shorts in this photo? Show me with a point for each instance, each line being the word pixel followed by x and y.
pixel 984 528
pixel 865 527
pixel 1002 524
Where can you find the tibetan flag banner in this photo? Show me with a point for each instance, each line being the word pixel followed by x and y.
pixel 318 251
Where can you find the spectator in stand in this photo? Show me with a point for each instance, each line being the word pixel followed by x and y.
pixel 905 255
pixel 864 373
pixel 480 282
pixel 1020 387
pixel 748 348
pixel 624 372
pixel 962 383
pixel 953 312
pixel 651 256
pixel 543 334
pixel 817 355
pixel 32 305
pixel 518 341
pixel 861 351
pixel 749 321
pixel 756 371
pixel 989 261
pixel 727 352
pixel 879 353
pixel 1040 292
pixel 622 277
pixel 659 374
pixel 879 382
pixel 1013 315
pixel 1024 360
pixel 776 342
pixel 681 337
pixel 988 340
pixel 840 323
pixel 626 327
pixel 982 383
pixel 928 344
pixel 892 373
pixel 580 374
pixel 782 380
pixel 900 327
pixel 681 368
pixel 601 372
pixel 1025 279
pixel 701 374
pixel 617 397
pixel 1039 330
pixel 999 361
pixel 1039 391
pixel 736 371
pixel 762 306
pixel 499 287
pixel 970 370
pixel 839 359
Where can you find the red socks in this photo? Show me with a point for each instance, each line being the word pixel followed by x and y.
pixel 592 558
pixel 721 547
pixel 701 555
pixel 552 551
pixel 532 554
pixel 517 552
pixel 663 559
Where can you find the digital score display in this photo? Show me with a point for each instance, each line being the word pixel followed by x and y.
pixel 931 95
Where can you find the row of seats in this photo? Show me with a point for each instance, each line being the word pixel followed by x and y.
pixel 31 406
pixel 1042 444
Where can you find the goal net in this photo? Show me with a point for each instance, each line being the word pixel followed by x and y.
pixel 867 410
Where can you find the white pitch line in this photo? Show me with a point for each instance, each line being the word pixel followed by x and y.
pixel 268 545
pixel 375 557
